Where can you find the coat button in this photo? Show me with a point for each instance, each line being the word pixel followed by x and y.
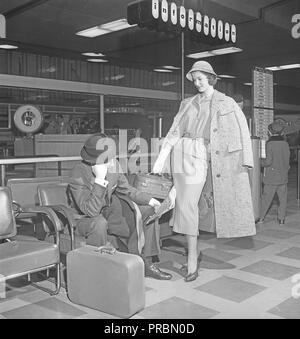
pixel 215 130
pixel 218 175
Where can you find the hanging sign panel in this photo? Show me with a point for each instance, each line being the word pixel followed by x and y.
pixel 2 27
pixel 263 101
pixel 164 15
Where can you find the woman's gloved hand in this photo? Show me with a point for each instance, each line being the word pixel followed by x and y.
pixel 155 204
pixel 172 197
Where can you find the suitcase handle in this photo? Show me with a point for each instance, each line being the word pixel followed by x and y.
pixel 107 249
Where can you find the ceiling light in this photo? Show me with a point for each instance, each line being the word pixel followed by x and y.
pixel 93 54
pixel 290 66
pixel 162 70
pixel 226 50
pixel 273 68
pixel 168 83
pixel 207 54
pixel 97 60
pixel 279 68
pixel 171 67
pixel 8 46
pixel 105 28
pixel 226 76
pixel 200 55
pixel 248 83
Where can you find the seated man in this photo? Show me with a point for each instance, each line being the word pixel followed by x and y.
pixel 101 191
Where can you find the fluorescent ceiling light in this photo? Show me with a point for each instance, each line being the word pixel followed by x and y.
pixel 279 68
pixel 207 54
pixel 248 83
pixel 97 60
pixel 171 67
pixel 226 76
pixel 93 54
pixel 8 46
pixel 168 83
pixel 226 50
pixel 105 28
pixel 200 55
pixel 290 66
pixel 162 70
pixel 273 68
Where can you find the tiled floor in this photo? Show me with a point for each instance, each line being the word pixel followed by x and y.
pixel 239 278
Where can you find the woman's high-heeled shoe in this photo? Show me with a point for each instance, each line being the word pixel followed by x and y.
pixel 192 276
pixel 199 259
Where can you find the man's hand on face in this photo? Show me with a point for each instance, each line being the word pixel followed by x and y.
pixel 100 171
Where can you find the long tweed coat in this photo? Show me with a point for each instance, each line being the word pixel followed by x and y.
pixel 225 206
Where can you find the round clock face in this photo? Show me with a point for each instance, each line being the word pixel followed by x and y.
pixel 28 119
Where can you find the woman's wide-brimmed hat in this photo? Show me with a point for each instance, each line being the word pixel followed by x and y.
pixel 202 66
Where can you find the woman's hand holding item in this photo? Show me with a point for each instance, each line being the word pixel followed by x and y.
pixel 155 204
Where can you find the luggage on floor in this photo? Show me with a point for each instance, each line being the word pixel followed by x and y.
pixel 157 186
pixel 111 283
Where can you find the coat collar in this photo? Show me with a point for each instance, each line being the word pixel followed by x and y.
pixel 220 104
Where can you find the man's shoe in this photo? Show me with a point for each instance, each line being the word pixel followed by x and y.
pixel 259 221
pixel 281 221
pixel 153 271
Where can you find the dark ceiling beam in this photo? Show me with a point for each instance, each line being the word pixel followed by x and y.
pixel 23 8
pixel 263 10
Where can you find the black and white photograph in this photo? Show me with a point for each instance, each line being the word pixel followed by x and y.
pixel 149 162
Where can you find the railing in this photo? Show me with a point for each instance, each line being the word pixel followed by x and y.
pixel 33 160
pixel 40 158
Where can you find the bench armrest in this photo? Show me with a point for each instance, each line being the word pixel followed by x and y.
pixel 46 211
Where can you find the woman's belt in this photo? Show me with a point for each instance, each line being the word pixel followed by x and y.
pixel 195 137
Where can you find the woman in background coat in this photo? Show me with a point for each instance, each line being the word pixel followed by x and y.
pixel 211 153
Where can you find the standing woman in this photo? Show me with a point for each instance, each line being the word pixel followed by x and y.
pixel 211 154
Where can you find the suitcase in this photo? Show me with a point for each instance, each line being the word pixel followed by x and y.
pixel 110 283
pixel 156 186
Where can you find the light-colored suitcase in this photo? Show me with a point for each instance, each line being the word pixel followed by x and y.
pixel 110 283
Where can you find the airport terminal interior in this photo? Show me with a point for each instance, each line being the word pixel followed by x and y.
pixel 73 68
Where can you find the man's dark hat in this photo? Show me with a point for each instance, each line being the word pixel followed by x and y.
pixel 276 127
pixel 98 148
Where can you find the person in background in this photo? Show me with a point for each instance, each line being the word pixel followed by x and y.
pixel 275 177
pixel 101 192
pixel 211 153
pixel 239 99
pixel 134 144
